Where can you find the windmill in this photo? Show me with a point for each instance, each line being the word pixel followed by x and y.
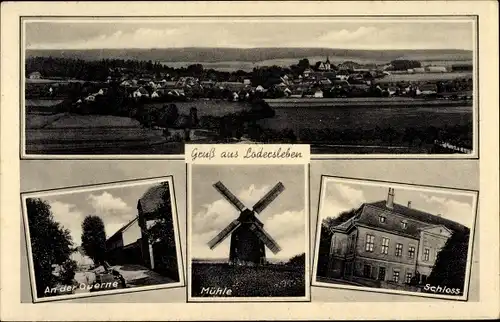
pixel 248 237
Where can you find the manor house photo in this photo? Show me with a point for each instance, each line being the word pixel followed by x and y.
pixel 387 245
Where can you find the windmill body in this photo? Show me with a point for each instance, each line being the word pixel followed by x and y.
pixel 246 247
pixel 248 237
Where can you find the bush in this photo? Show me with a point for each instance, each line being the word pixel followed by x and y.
pixel 68 269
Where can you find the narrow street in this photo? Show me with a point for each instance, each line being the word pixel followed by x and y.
pixel 137 275
pixel 86 278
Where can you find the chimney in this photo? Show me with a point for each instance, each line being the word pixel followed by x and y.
pixel 409 204
pixel 390 199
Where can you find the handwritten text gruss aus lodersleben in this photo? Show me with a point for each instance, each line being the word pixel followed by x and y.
pixel 250 153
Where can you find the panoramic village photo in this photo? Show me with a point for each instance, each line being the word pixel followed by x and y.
pixel 342 85
pixel 394 238
pixel 105 239
pixel 248 233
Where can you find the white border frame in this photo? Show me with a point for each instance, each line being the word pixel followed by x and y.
pixel 97 187
pixel 305 298
pixel 352 306
pixel 243 18
pixel 438 190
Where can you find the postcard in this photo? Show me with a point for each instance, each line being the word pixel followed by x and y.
pixel 248 226
pixel 395 238
pixel 104 239
pixel 345 85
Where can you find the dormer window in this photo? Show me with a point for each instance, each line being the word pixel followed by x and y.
pixel 381 219
pixel 404 224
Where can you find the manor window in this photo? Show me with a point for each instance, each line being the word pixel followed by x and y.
pixel 352 244
pixel 367 271
pixel 385 245
pixel 381 273
pixel 427 251
pixel 408 278
pixel 399 249
pixel 381 219
pixel 395 276
pixel 404 224
pixel 411 251
pixel 370 242
pixel 348 269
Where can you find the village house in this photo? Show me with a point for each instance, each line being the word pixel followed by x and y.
pixel 324 66
pixel 297 93
pixel 426 89
pixel 436 69
pixel 307 73
pixel 35 75
pixel 131 244
pixel 318 93
pixel 140 92
pixel 125 83
pixel 388 245
pixel 83 262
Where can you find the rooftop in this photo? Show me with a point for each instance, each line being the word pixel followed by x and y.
pixel 153 198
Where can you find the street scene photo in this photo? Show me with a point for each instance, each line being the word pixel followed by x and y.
pixel 248 240
pixel 394 238
pixel 342 85
pixel 105 239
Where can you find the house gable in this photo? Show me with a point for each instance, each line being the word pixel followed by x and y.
pixel 438 230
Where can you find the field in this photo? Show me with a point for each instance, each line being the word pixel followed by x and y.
pixel 343 118
pixel 248 66
pixel 230 66
pixel 265 281
pixel 93 134
pixel 393 78
pixel 53 81
pixel 218 54
pixel 330 129
pixel 208 107
pixel 371 130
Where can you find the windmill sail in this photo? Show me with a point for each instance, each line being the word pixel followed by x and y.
pixel 229 196
pixel 269 197
pixel 266 238
pixel 223 234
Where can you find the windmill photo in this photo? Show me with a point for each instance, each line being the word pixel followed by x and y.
pixel 248 237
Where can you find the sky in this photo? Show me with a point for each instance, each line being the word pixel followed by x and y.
pixel 115 206
pixel 284 219
pixel 341 195
pixel 333 33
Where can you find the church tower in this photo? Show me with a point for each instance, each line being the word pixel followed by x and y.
pixel 327 64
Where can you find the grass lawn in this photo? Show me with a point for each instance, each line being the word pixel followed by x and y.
pixel 265 281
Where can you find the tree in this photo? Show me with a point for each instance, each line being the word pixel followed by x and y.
pixel 193 117
pixel 451 262
pixel 161 234
pixel 304 63
pixel 162 229
pixel 94 238
pixel 171 114
pixel 298 260
pixel 50 243
pixel 403 64
pixel 326 237
pixel 68 269
pixel 195 70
